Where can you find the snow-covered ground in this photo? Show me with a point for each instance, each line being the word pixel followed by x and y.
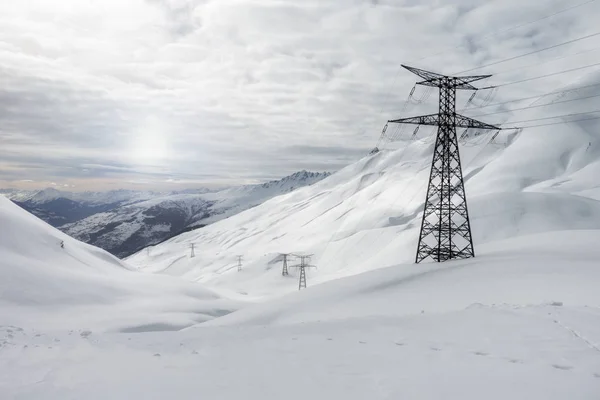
pixel 46 286
pixel 521 322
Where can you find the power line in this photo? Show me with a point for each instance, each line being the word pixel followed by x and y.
pixel 557 116
pixel 530 53
pixel 541 105
pixel 554 123
pixel 548 75
pixel 537 96
pixel 484 37
pixel 547 61
pixel 512 28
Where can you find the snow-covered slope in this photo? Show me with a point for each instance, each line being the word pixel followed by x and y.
pixel 367 215
pixel 87 197
pixel 522 321
pixel 79 286
pixel 531 270
pixel 58 207
pixel 126 229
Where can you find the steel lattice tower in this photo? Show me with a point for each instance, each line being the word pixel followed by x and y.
pixel 302 283
pixel 284 270
pixel 445 227
pixel 303 265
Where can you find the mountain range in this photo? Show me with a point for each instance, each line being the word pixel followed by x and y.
pixel 125 221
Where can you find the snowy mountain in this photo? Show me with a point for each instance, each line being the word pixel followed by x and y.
pixel 58 207
pixel 78 286
pixel 125 229
pixel 367 215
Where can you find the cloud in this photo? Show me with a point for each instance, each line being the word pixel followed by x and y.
pixel 106 93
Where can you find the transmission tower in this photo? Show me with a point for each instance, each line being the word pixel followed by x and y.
pixel 192 254
pixel 284 270
pixel 239 266
pixel 303 265
pixel 445 227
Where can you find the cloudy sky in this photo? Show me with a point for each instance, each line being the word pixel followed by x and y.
pixel 104 94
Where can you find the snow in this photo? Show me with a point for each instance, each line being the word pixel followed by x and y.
pixel 519 321
pixel 79 286
pixel 87 197
pixel 128 228
pixel 529 270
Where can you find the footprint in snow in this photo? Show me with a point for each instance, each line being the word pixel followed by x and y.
pixel 362 342
pixel 563 367
pixel 480 353
pixel 515 361
pixel 435 348
pixel 398 344
pixel 157 355
pixel 597 375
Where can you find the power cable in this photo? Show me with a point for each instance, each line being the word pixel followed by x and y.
pixel 530 107
pixel 554 123
pixel 545 62
pixel 546 75
pixel 491 34
pixel 537 96
pixel 530 53
pixel 557 116
pixel 512 28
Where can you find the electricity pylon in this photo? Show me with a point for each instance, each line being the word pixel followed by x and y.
pixel 303 265
pixel 445 227
pixel 284 270
pixel 192 254
pixel 239 258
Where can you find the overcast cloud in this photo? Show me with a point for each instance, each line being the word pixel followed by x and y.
pixel 142 93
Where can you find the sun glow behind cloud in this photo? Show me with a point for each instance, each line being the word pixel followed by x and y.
pixel 149 144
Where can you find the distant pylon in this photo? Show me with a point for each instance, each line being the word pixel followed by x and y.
pixel 303 265
pixel 284 270
pixel 192 254
pixel 239 266
pixel 445 227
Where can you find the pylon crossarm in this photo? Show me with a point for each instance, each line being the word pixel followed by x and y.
pixel 438 80
pixel 427 75
pixel 466 122
pixel 434 119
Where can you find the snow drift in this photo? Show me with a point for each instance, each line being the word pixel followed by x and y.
pixel 45 285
